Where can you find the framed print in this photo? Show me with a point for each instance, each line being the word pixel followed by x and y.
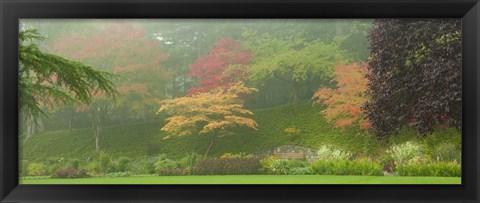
pixel 239 101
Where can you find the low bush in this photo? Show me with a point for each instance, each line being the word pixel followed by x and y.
pixel 75 163
pixel 282 166
pixel 52 160
pixel 228 166
pixel 228 155
pixel 64 173
pixel 347 167
pixel 37 169
pixel 171 172
pixel 446 169
pixel 440 137
pixel 387 162
pixel 406 152
pixel 23 169
pixel 266 163
pixel 102 164
pixel 143 166
pixel 165 163
pixel 447 152
pixel 123 164
pixel 188 162
pixel 70 173
pixel 54 163
pixel 328 152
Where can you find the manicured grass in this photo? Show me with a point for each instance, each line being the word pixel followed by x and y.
pixel 253 179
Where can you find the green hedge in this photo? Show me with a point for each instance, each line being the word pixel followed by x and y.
pixel 446 169
pixel 284 166
pixel 347 167
pixel 228 166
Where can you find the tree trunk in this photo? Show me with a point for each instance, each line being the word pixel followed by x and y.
pixel 184 85
pixel 99 114
pixel 174 88
pixel 97 144
pixel 98 133
pixel 209 146
pixel 144 116
pixel 295 91
pixel 70 120
pixel 125 115
pixel 34 126
pixel 97 130
pixel 29 126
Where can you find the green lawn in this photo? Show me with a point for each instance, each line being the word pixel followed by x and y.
pixel 253 179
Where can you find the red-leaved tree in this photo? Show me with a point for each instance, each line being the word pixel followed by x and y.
pixel 223 66
pixel 345 102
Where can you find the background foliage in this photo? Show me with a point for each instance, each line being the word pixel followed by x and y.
pixel 415 75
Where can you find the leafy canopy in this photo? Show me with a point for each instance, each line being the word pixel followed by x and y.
pixel 201 113
pixel 47 80
pixel 126 49
pixel 224 65
pixel 415 75
pixel 344 103
pixel 292 60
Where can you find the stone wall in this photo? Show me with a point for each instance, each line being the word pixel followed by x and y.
pixel 310 154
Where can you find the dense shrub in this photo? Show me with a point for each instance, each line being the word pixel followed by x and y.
pixel 75 163
pixel 23 169
pixel 64 173
pixel 143 166
pixel 230 166
pixel 123 164
pixel 54 163
pixel 387 162
pixel 171 172
pixel 188 162
pixel 282 166
pixel 103 164
pixel 448 169
pixel 37 169
pixel 406 152
pixel 266 163
pixel 228 155
pixel 447 152
pixel 164 163
pixel 70 173
pixel 52 160
pixel 328 152
pixel 347 167
pixel 442 136
pixel 104 159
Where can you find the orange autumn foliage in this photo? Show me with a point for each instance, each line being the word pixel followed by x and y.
pixel 215 111
pixel 344 103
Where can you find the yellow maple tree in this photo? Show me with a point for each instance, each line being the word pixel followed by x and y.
pixel 213 112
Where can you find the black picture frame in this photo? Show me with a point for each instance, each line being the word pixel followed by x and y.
pixel 13 10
